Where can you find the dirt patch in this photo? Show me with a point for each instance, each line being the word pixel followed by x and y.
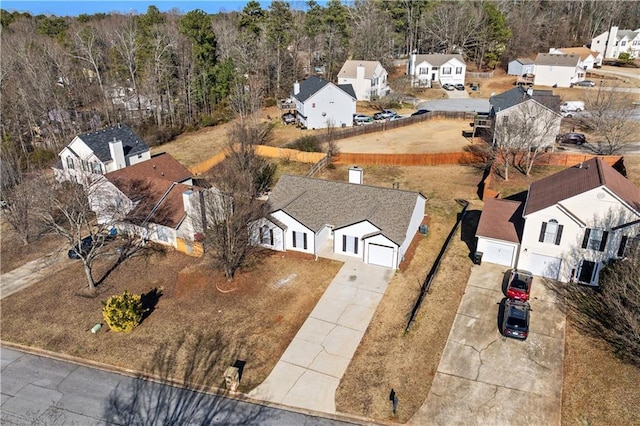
pixel 255 322
pixel 429 136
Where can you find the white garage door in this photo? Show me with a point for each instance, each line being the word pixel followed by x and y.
pixel 545 266
pixel 501 254
pixel 380 255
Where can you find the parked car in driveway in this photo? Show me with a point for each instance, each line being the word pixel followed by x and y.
pixel 515 320
pixel 519 286
pixel 81 249
pixel 448 86
pixel 575 138
pixel 361 119
pixel 384 114
pixel 288 118
pixel 459 86
pixel 584 83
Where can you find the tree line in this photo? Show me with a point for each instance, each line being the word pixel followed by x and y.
pixel 164 72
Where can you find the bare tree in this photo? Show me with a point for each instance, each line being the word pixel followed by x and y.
pixel 245 98
pixel 608 118
pixel 21 200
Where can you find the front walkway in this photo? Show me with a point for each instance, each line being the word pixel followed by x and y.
pixel 308 373
pixel 32 272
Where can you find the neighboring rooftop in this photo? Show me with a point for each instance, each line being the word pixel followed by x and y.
pixel 525 61
pixel 99 140
pixel 578 179
pixel 582 52
pixel 312 85
pixel 501 220
pixel 437 59
pixel 350 67
pixel 518 95
pixel 551 59
pixel 317 202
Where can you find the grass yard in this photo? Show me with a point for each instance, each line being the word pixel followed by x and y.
pixel 252 319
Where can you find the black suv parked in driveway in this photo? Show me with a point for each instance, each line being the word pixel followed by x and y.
pixel 515 320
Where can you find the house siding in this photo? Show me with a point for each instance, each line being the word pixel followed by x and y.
pixel 416 220
pixel 357 230
pixel 278 235
pixel 337 106
pixel 549 75
pixel 547 122
pixel 423 73
pixel 363 86
pixel 295 226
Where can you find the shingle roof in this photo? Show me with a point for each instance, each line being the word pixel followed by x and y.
pixel 98 141
pixel 629 33
pixel 316 203
pixel 501 220
pixel 582 52
pixel 518 95
pixel 525 61
pixel 350 67
pixel 147 182
pixel 576 180
pixel 437 59
pixel 557 60
pixel 313 84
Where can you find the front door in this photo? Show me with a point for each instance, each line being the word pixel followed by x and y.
pixel 586 271
pixel 433 76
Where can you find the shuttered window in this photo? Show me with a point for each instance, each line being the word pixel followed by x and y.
pixel 595 239
pixel 551 232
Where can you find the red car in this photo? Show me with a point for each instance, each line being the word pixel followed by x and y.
pixel 519 285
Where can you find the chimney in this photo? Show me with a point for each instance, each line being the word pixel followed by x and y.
pixel 530 92
pixel 117 154
pixel 355 175
pixel 360 73
pixel 296 88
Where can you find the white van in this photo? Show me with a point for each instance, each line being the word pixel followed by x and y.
pixel 572 106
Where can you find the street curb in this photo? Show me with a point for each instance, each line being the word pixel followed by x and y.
pixel 82 362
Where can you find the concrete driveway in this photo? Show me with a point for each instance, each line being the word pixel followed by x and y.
pixel 485 378
pixel 308 373
pixel 462 104
pixel 32 272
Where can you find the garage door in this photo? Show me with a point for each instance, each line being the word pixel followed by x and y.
pixel 545 266
pixel 501 254
pixel 380 255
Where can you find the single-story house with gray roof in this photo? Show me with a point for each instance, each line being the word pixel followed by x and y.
pixel 521 66
pixel 372 223
pixel 102 151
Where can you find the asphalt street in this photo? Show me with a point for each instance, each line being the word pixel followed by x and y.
pixel 38 390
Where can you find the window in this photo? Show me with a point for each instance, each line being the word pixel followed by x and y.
pixel 595 239
pixel 446 70
pixel 266 235
pixel 85 166
pixel 424 71
pixel 70 164
pixel 623 246
pixel 349 244
pixel 551 232
pixel 374 81
pixel 300 239
pixel 436 68
pixel 96 168
pixel 458 70
pixel 623 43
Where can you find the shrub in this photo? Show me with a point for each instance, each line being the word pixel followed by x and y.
pixel 122 312
pixel 307 144
pixel 41 157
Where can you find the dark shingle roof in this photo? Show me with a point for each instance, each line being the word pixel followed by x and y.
pixel 313 84
pixel 576 180
pixel 98 141
pixel 316 203
pixel 518 95
pixel 524 61
pixel 501 220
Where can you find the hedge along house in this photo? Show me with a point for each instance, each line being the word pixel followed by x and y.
pixel 371 223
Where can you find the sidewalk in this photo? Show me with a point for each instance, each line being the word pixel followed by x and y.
pixel 309 372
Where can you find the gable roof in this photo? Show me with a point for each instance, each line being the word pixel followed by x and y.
pixel 582 52
pixel 551 59
pixel 317 202
pixel 501 220
pixel 350 67
pixel 437 59
pixel 98 141
pixel 630 34
pixel 518 95
pixel 577 180
pixel 524 61
pixel 313 84
pixel 155 184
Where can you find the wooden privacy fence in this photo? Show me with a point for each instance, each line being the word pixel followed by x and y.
pixel 424 159
pixel 479 75
pixel 208 164
pixel 568 160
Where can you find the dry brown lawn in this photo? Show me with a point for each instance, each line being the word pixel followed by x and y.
pixel 15 254
pixel 253 318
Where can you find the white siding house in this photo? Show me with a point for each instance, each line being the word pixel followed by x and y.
pixel 321 104
pixel 572 223
pixel 558 70
pixel 370 223
pixel 368 79
pixel 521 66
pixel 424 70
pixel 101 152
pixel 610 44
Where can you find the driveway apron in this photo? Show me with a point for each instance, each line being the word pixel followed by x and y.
pixel 484 378
pixel 308 373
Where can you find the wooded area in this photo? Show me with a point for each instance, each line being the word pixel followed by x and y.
pixel 165 73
